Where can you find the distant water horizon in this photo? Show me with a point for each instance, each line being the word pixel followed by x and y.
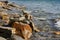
pixel 52 6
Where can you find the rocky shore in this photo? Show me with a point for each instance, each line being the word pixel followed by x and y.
pixel 13 11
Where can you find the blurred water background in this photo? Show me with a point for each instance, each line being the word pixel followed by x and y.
pixel 49 9
pixel 46 8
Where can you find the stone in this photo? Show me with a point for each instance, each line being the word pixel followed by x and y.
pixel 1 38
pixel 23 30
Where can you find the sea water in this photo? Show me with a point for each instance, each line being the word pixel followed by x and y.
pixel 51 7
pixel 41 8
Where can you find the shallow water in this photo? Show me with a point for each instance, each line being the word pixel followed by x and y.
pixel 50 8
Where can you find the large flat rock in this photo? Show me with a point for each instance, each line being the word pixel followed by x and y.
pixel 1 38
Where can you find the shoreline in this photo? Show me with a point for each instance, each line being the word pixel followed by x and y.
pixel 7 8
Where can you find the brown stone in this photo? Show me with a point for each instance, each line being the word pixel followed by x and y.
pixel 23 30
pixel 57 32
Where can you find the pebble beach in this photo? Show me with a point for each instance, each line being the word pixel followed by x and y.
pixel 41 19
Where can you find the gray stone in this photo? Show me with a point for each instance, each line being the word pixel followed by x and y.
pixel 1 38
